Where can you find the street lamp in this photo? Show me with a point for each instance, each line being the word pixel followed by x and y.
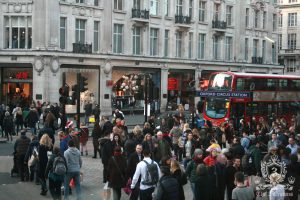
pixel 146 94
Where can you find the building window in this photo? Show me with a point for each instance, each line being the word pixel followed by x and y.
pixel 118 38
pixel 292 19
pixel 263 50
pixel 166 7
pixel 201 46
pixel 136 40
pixel 279 41
pixel 96 36
pixel 255 48
pixel 136 4
pixel 228 48
pixel 153 42
pixel 18 32
pixel 191 7
pixel 256 18
pixel 202 11
pixel 246 57
pixel 166 45
pixel 153 7
pixel 190 45
pixel 274 22
pixel 96 2
pixel 292 41
pixel 229 15
pixel 79 1
pixel 280 20
pixel 178 36
pixel 80 31
pixel 292 1
pixel 264 20
pixel 291 65
pixel 62 32
pixel 216 47
pixel 217 11
pixel 247 18
pixel 118 4
pixel 179 7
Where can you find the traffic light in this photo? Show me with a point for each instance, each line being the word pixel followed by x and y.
pixel 64 92
pixel 83 84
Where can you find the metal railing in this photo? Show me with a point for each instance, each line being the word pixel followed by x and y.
pixel 82 48
pixel 180 19
pixel 257 60
pixel 137 13
pixel 219 24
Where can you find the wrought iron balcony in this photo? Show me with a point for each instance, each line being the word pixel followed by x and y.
pixel 82 48
pixel 219 24
pixel 257 60
pixel 137 13
pixel 180 19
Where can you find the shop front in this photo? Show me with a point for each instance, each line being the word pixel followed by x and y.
pixel 128 91
pixel 16 85
pixel 91 95
pixel 181 89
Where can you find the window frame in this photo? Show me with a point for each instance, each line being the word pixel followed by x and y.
pixel 117 35
pixel 136 41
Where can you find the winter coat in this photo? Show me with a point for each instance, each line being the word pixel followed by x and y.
pixel 202 188
pixel 191 170
pixel 106 150
pixel 257 156
pixel 148 145
pixel 84 135
pixel 49 131
pixel 117 171
pixel 167 189
pixel 133 160
pixel 163 149
pixel 178 176
pixel 49 169
pixel 107 127
pixel 237 151
pixel 21 145
pixel 49 121
pixel 33 144
pixel 73 158
pixel 147 130
pixel 129 147
pixel 43 159
pixel 32 118
pixel 8 124
pixel 64 144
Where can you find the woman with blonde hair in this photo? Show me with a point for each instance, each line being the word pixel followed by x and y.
pixel 45 146
pixel 148 143
pixel 138 134
pixel 179 175
pixel 147 128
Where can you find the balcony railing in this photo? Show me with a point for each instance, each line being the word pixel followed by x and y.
pixel 180 19
pixel 257 60
pixel 219 24
pixel 289 50
pixel 82 48
pixel 137 13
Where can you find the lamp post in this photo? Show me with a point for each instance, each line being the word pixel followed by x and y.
pixel 146 94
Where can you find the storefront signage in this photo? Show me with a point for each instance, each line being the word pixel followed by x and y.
pixel 224 94
pixel 21 75
pixel 172 84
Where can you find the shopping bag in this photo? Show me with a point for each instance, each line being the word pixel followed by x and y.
pixel 92 119
pixel 127 188
pixel 72 183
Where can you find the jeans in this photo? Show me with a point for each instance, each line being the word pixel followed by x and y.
pixel 55 189
pixel 146 194
pixel 22 168
pixel 76 177
pixel 33 130
pixel 193 190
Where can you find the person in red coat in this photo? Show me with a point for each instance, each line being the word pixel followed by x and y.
pixel 212 158
pixel 84 137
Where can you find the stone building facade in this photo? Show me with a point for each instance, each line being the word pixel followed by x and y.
pixel 117 43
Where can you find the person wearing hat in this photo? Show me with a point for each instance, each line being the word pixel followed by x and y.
pixel 20 149
pixel 192 166
pixel 277 191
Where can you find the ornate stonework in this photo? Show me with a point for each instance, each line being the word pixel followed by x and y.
pixel 17 7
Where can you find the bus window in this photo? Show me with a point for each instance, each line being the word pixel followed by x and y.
pixel 283 84
pixel 240 84
pixel 220 82
pixel 271 84
pixel 216 107
pixel 294 85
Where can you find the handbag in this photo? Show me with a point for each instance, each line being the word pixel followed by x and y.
pixel 92 119
pixel 127 188
pixel 33 158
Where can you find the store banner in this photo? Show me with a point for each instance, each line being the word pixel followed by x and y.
pixel 227 94
pixel 172 84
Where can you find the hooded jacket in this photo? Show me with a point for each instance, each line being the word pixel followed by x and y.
pixel 106 150
pixel 74 162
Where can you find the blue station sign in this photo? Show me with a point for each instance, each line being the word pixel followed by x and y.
pixel 227 94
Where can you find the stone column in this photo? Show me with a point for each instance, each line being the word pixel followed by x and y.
pixel 164 88
pixel 39 77
pixel 105 91
pixel 198 72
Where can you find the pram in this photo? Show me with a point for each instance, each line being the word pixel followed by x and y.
pixel 14 171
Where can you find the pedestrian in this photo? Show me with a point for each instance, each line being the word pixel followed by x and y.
pixel 161 148
pixel 242 192
pixel 96 134
pixel 117 172
pixel 148 143
pixel 237 150
pixel 2 114
pixel 45 147
pixel 64 139
pixel 51 120
pixel 18 119
pixel 47 130
pixel 20 150
pixel 129 146
pixel 175 133
pixel 106 150
pixel 138 134
pixel 84 137
pixel 56 179
pixel 74 163
pixel 201 184
pixel 149 178
pixel 167 187
pixel 96 112
pixel 189 148
pixel 33 148
pixel 8 125
pixel 87 112
pixel 180 176
pixel 230 175
pixel 117 141
pixel 147 129
pixel 32 118
pixel 118 114
pixel 107 126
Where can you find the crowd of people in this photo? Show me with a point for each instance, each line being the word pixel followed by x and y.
pixel 152 162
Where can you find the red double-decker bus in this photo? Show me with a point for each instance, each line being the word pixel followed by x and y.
pixel 238 96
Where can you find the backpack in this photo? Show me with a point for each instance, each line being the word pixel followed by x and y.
pixel 59 166
pixel 152 175
pixel 248 162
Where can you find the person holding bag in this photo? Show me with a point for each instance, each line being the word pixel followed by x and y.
pixel 117 172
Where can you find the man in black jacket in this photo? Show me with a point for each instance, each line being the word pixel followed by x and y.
pixel 133 160
pixel 167 186
pixel 106 150
pixel 107 126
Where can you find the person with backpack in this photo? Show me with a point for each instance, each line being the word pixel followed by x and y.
pixel 74 163
pixel 149 172
pixel 55 171
pixel 167 187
